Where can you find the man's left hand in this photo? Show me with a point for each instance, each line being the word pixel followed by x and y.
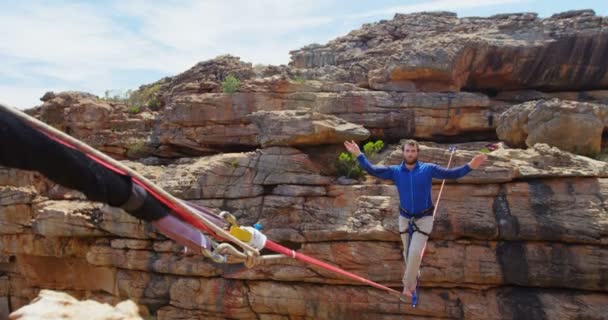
pixel 477 161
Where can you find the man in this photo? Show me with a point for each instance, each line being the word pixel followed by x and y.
pixel 413 180
pixel 24 147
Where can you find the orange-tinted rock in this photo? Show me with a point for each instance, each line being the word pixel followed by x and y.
pixel 572 126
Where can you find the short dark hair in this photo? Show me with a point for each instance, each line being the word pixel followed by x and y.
pixel 410 142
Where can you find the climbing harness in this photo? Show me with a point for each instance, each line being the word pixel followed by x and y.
pixel 412 227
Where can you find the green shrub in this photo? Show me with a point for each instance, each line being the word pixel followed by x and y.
pixel 347 164
pixel 144 97
pixel 235 163
pixel 154 104
pixel 136 148
pixel 372 148
pixel 231 84
pixel 348 167
pixel 133 109
pixel 299 79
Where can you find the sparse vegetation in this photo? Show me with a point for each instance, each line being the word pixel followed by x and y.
pixel 144 97
pixel 115 96
pixel 258 69
pixel 348 167
pixel 299 79
pixel 231 84
pixel 235 163
pixel 603 155
pixel 133 109
pixel 372 148
pixel 347 164
pixel 136 148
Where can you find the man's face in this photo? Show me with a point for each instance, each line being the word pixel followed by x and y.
pixel 410 154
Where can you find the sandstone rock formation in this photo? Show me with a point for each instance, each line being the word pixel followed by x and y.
pixel 58 305
pixel 108 126
pixel 437 51
pixel 523 231
pixel 568 125
pixel 524 237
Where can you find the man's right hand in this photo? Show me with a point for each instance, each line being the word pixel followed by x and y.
pixel 352 147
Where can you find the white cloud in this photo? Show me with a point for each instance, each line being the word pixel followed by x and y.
pixel 200 27
pixel 24 97
pixel 87 46
pixel 82 46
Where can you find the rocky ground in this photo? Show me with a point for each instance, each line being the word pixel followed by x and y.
pixel 525 237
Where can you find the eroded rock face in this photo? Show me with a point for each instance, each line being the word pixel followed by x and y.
pixel 212 122
pixel 111 127
pixel 271 111
pixel 525 236
pixel 437 51
pixel 294 127
pixel 207 76
pixel 532 223
pixel 573 126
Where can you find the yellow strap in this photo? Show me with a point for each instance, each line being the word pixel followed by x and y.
pixel 240 233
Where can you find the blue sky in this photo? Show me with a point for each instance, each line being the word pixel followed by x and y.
pixel 98 45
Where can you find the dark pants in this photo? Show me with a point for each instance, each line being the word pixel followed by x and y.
pixel 24 147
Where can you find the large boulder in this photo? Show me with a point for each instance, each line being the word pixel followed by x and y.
pixel 293 127
pixel 569 125
pixel 58 305
pixel 110 126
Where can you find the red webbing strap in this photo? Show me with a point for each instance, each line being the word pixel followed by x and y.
pixel 273 246
pixel 176 209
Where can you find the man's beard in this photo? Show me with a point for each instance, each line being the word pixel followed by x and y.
pixel 408 162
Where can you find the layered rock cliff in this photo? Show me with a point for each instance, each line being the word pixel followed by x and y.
pixel 525 237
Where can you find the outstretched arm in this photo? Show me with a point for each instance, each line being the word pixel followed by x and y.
pixel 445 173
pixel 383 172
pixel 455 173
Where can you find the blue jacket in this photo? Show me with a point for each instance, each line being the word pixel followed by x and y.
pixel 414 186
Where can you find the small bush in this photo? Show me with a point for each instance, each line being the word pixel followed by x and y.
pixel 372 148
pixel 235 163
pixel 154 104
pixel 136 148
pixel 231 84
pixel 144 97
pixel 299 79
pixel 133 109
pixel 347 164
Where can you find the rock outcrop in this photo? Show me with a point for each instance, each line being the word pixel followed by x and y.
pixel 524 231
pixel 437 51
pixel 58 305
pixel 568 125
pixel 111 127
pixel 524 237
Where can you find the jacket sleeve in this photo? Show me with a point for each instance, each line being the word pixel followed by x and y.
pixel 445 173
pixel 383 172
pixel 24 147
